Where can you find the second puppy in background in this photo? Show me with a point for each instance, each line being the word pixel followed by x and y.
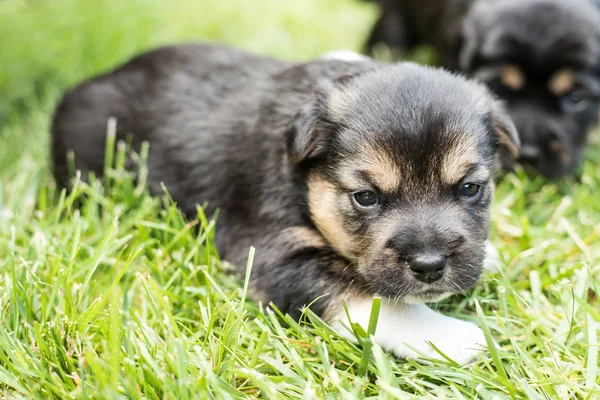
pixel 541 56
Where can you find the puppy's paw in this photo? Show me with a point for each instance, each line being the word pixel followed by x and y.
pixel 458 340
pixel 410 330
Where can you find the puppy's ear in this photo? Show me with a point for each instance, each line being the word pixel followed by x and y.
pixel 306 135
pixel 506 135
pixel 311 130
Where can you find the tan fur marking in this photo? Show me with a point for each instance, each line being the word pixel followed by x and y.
pixel 512 77
pixel 323 204
pixel 458 158
pixel 562 82
pixel 384 172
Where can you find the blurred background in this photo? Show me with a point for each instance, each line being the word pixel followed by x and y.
pixel 47 46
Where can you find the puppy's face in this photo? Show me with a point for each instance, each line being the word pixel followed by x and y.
pixel 400 164
pixel 543 58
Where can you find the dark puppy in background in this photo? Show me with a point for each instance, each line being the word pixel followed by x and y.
pixel 352 179
pixel 403 25
pixel 541 56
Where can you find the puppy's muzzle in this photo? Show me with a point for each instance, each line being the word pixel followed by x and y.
pixel 426 253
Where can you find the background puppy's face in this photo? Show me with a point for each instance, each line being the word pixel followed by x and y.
pixel 543 58
pixel 401 163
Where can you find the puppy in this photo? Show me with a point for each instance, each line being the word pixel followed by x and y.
pixel 541 56
pixel 403 25
pixel 352 179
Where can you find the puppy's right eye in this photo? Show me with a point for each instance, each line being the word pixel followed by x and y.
pixel 365 198
pixel 470 190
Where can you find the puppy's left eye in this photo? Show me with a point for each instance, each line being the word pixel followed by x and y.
pixel 470 190
pixel 365 198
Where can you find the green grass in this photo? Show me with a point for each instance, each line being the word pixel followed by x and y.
pixel 109 293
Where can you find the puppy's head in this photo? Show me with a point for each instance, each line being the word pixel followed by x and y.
pixel 399 166
pixel 543 58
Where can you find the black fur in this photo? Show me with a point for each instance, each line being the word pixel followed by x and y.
pixel 541 37
pixel 247 133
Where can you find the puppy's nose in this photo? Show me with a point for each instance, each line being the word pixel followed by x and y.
pixel 428 268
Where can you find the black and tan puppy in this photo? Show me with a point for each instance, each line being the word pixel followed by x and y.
pixel 351 179
pixel 541 56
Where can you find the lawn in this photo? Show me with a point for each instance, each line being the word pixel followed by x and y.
pixel 110 293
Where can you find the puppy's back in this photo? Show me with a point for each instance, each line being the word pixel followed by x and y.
pixel 141 94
